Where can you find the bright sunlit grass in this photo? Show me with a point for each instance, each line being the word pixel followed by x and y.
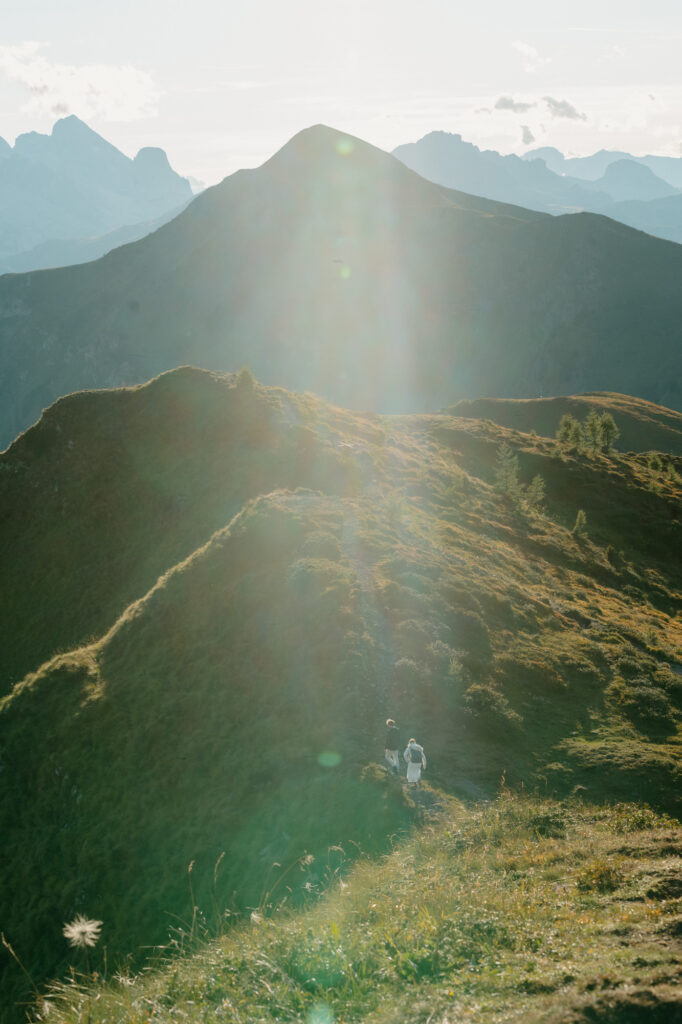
pixel 518 906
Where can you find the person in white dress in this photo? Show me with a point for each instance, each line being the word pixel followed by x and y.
pixel 416 761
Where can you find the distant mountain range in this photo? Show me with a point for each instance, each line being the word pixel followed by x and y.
pixel 333 268
pixel 63 195
pixel 589 168
pixel 643 192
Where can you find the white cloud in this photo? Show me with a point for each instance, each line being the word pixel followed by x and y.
pixel 108 91
pixel 532 61
pixel 562 108
pixel 509 103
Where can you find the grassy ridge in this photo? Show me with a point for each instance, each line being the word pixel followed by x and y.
pixel 643 425
pixel 399 581
pixel 520 909
pixel 108 491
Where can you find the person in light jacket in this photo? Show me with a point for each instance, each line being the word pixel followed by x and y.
pixel 416 761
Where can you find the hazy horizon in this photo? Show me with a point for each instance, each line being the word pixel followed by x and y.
pixel 219 89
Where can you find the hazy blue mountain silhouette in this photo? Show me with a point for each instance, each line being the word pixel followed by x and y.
pixel 660 217
pixel 335 269
pixel 627 180
pixel 67 251
pixel 448 160
pixel 544 184
pixel 669 168
pixel 73 184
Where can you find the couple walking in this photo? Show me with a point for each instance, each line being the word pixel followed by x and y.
pixel 413 753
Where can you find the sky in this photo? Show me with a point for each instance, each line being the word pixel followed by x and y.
pixel 222 85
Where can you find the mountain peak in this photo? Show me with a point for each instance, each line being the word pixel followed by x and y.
pixel 629 179
pixel 67 133
pixel 71 126
pixel 629 170
pixel 320 145
pixel 321 138
pixel 152 158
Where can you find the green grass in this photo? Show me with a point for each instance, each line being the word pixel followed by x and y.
pixel 360 567
pixel 520 908
pixel 644 426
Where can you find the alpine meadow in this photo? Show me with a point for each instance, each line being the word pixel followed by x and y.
pixel 218 591
pixel 340 513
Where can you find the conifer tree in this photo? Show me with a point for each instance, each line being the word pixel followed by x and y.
pixel 535 492
pixel 566 422
pixel 507 472
pixel 593 434
pixel 609 431
pixel 577 436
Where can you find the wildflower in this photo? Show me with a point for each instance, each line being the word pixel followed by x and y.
pixel 82 932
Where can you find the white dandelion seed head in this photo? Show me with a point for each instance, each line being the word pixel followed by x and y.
pixel 82 931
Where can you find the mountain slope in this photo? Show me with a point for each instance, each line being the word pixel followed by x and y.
pixel 235 705
pixel 643 426
pixel 65 252
pixel 74 184
pixel 190 448
pixel 522 908
pixel 660 217
pixel 627 190
pixel 334 268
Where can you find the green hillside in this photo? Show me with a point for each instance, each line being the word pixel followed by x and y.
pixel 523 910
pixel 643 425
pixel 224 692
pixel 335 269
pixel 110 490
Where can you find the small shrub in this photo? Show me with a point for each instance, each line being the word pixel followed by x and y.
pixel 613 557
pixel 644 703
pixel 472 637
pixel 245 379
pixel 628 667
pixel 649 704
pixel 600 876
pixel 413 637
pixel 637 818
pixel 548 825
pixel 580 525
pixel 406 671
pixel 489 707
